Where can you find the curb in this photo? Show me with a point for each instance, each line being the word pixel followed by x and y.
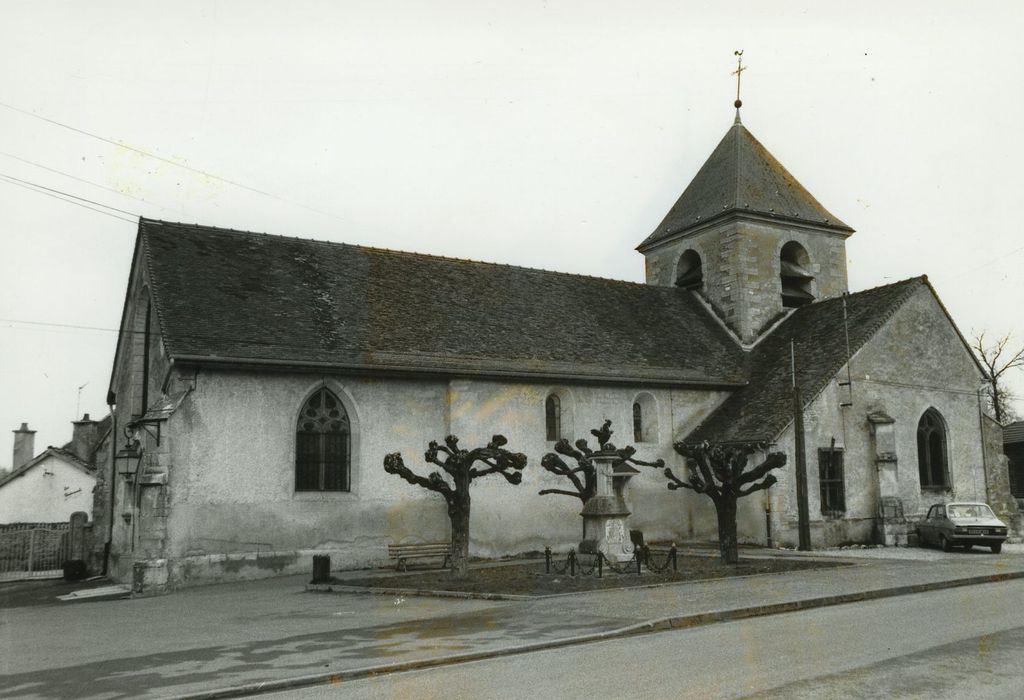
pixel 656 625
pixel 418 592
pixel 467 595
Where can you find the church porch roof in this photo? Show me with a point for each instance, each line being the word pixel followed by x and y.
pixel 759 411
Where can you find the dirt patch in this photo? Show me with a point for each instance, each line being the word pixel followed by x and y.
pixel 531 579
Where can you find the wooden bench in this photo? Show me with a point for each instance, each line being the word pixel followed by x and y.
pixel 428 550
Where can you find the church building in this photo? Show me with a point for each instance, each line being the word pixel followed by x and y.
pixel 262 379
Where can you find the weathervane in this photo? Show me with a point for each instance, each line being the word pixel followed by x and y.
pixel 738 73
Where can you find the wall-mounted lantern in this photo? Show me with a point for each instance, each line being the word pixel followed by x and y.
pixel 129 457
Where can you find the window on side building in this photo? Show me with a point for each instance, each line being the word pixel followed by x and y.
pixel 932 459
pixel 322 445
pixel 830 479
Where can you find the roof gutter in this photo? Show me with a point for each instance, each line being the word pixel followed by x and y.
pixel 412 372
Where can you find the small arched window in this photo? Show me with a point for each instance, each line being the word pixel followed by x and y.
pixel 645 419
pixel 690 271
pixel 795 275
pixel 553 418
pixel 932 460
pixel 322 445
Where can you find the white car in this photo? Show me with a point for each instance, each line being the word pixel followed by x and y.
pixel 950 525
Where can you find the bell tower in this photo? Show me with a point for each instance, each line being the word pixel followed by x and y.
pixel 748 238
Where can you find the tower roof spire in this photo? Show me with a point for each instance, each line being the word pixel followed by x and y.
pixel 739 74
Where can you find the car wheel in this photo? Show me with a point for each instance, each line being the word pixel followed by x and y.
pixel 997 548
pixel 947 546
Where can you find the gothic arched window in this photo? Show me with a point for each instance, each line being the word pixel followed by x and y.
pixel 322 445
pixel 553 418
pixel 795 276
pixel 931 450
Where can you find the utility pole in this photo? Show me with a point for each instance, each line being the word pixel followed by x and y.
pixel 803 515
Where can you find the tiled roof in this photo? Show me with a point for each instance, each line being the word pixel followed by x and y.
pixel 762 409
pixel 66 455
pixel 742 177
pixel 1013 433
pixel 229 295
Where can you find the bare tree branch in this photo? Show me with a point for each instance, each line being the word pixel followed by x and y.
pixel 990 356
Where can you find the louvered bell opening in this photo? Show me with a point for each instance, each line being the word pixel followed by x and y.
pixel 691 279
pixel 795 293
pixel 791 269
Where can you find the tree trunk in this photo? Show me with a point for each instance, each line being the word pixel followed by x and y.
pixel 727 546
pixel 458 513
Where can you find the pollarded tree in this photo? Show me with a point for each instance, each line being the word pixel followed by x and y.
pixel 458 465
pixel 720 472
pixel 583 476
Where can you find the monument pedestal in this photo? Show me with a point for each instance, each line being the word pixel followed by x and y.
pixel 605 514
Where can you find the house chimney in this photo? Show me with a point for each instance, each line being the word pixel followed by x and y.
pixel 24 445
pixel 83 438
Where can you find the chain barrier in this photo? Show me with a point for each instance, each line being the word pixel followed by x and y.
pixel 584 571
pixel 628 567
pixel 670 561
pixel 642 558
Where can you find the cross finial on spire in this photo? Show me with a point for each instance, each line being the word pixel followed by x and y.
pixel 739 74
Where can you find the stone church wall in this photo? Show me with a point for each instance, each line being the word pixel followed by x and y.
pixel 915 362
pixel 232 511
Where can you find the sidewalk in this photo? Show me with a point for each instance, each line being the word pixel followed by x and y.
pixel 273 632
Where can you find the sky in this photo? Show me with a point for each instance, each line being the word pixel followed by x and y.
pixel 545 134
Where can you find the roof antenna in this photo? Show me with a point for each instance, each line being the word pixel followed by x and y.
pixel 739 74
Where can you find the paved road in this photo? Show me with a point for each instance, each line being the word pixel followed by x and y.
pixel 963 642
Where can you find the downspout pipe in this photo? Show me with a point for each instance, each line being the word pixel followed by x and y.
pixel 984 456
pixel 113 489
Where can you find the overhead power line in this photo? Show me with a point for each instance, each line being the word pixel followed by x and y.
pixel 75 177
pixel 162 159
pixel 37 190
pixel 67 194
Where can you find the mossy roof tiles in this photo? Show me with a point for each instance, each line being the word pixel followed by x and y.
pixel 230 295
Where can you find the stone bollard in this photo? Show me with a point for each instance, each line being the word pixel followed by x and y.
pixel 321 568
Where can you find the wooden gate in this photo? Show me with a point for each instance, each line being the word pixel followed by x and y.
pixel 33 550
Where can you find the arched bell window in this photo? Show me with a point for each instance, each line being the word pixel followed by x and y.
pixel 322 445
pixel 690 271
pixel 932 462
pixel 795 275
